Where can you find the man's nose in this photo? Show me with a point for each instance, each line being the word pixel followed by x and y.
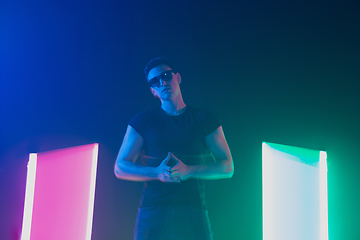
pixel 162 82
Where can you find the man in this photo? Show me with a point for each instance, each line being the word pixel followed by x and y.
pixel 179 146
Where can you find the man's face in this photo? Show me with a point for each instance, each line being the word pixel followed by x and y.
pixel 168 82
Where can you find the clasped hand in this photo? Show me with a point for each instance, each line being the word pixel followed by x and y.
pixel 179 172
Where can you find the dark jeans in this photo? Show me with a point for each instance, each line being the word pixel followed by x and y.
pixel 172 223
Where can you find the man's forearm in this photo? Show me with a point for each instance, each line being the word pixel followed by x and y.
pixel 128 170
pixel 210 171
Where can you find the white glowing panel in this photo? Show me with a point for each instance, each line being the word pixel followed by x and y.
pixel 60 191
pixel 294 193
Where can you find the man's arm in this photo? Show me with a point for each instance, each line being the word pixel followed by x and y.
pixel 222 168
pixel 125 166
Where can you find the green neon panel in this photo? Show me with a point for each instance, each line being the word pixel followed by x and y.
pixel 294 193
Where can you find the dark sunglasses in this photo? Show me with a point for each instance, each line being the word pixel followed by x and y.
pixel 165 76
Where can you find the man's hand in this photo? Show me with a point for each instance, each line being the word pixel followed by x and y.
pixel 180 171
pixel 164 171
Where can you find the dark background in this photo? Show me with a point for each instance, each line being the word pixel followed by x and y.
pixel 276 71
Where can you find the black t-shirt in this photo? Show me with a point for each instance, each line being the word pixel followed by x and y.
pixel 184 135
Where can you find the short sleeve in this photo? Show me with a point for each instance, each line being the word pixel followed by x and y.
pixel 138 123
pixel 211 122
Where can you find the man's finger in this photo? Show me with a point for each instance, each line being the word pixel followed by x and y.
pixel 167 178
pixel 166 160
pixel 173 155
pixel 175 179
pixel 168 157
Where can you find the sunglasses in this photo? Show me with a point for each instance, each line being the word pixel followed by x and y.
pixel 165 76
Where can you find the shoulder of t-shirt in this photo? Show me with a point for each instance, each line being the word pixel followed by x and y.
pixel 146 113
pixel 139 121
pixel 202 113
pixel 210 121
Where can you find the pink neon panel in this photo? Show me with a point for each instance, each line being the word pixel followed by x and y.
pixel 64 193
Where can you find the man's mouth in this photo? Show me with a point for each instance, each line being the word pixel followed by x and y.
pixel 165 89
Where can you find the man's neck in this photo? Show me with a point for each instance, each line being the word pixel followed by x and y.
pixel 173 108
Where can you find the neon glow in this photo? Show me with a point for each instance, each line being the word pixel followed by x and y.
pixel 324 231
pixel 63 197
pixel 29 197
pixel 92 191
pixel 294 193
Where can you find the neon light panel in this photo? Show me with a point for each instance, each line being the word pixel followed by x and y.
pixel 294 193
pixel 324 231
pixel 29 197
pixel 62 202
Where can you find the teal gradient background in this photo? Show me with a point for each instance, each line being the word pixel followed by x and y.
pixel 71 73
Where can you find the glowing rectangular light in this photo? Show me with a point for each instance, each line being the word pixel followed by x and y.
pixel 60 193
pixel 294 193
pixel 324 231
pixel 29 196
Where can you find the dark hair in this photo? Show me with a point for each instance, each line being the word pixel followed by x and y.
pixel 156 62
